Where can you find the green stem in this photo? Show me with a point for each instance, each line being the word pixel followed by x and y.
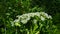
pixel 31 32
pixel 16 30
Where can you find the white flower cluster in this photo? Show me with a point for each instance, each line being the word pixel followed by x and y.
pixel 26 17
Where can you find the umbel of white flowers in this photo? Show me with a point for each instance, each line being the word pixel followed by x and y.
pixel 26 17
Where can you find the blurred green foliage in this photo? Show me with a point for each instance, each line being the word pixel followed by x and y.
pixel 10 8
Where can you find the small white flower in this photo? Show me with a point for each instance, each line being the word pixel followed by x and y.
pixel 16 20
pixel 50 17
pixel 24 21
pixel 42 18
pixel 28 19
pixel 32 14
pixel 46 15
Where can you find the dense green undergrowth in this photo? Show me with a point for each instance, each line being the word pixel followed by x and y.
pixel 9 9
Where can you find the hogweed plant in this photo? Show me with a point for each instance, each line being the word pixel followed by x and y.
pixel 35 23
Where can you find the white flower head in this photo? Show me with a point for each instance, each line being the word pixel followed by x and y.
pixel 26 17
pixel 42 18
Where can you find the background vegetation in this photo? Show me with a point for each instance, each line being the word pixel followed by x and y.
pixel 9 9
